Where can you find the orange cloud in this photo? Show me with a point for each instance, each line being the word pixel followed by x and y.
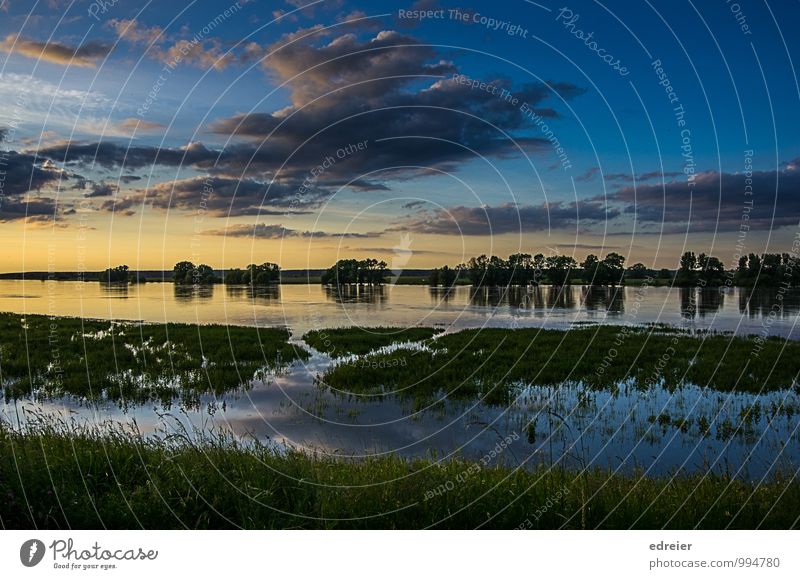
pixel 85 56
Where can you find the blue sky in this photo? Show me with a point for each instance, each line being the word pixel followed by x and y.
pixel 155 131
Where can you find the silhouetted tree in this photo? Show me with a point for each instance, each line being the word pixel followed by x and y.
pixel 185 273
pixel 119 274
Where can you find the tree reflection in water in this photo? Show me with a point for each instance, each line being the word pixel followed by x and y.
pixel 260 294
pixel 193 292
pixel 356 293
pixel 603 299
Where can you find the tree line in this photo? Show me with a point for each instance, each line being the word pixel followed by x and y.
pixel 519 269
pixel 348 271
pixel 766 269
pixel 526 269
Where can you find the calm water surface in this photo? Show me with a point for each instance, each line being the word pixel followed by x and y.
pixel 658 432
pixel 304 307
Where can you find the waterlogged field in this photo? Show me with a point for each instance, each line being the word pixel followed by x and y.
pixel 491 363
pixel 409 418
pixel 47 357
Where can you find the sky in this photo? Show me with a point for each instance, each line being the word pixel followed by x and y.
pixel 419 132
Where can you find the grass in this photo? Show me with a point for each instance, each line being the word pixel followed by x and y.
pixel 338 342
pixel 490 363
pixel 60 476
pixel 129 361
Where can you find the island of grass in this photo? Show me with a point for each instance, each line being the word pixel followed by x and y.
pixel 60 476
pixel 493 363
pixel 339 342
pixel 133 361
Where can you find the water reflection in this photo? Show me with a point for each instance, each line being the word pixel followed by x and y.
pixel 356 294
pixel 710 301
pixel 265 295
pixel 745 311
pixel 701 301
pixel 760 303
pixel 607 299
pixel 441 294
pixel 193 292
pixel 524 298
pixel 117 290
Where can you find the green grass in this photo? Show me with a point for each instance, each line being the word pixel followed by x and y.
pixel 339 342
pixel 490 362
pixel 58 476
pixel 132 361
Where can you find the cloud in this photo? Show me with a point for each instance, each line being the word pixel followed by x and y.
pixel 111 155
pixel 643 177
pixel 102 189
pixel 132 124
pixel 508 218
pixel 23 175
pixel 588 175
pixel 394 94
pixel 267 231
pixel 396 112
pixel 218 196
pixel 717 201
pixel 86 55
pixel 132 31
pixel 198 51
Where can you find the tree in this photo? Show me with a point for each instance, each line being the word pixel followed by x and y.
pixel 347 271
pixel 712 271
pixel 185 273
pixel 768 269
pixel 637 271
pixel 258 275
pixel 204 275
pixel 182 272
pixel 614 265
pixel 559 268
pixel 687 272
pixel 119 274
pixel 234 276
pixel 591 267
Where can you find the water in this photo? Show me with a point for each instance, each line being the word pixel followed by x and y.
pixel 658 432
pixel 305 307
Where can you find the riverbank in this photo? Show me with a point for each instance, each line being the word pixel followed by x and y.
pixel 59 475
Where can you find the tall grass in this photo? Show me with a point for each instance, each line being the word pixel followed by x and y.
pixel 132 361
pixel 490 362
pixel 59 475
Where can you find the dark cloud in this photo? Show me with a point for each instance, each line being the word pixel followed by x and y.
pixel 628 178
pixel 267 231
pixel 394 96
pixel 86 55
pixel 21 176
pixel 220 196
pixel 659 175
pixel 508 218
pixel 588 175
pixel 715 202
pixel 123 205
pixel 111 155
pixel 102 189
